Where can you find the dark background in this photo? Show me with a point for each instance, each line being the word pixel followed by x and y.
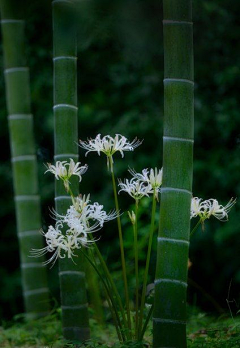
pixel 120 89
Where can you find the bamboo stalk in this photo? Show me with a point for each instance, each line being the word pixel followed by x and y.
pixel 169 320
pixel 24 163
pixel 72 276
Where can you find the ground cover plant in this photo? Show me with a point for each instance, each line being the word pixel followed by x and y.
pixel 202 331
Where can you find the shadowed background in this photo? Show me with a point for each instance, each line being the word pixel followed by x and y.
pixel 120 90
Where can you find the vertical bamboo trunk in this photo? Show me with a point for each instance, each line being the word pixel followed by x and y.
pixel 24 163
pixel 72 276
pixel 169 321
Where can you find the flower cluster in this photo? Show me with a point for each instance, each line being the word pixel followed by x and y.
pixel 142 184
pixel 64 170
pixel 205 209
pixel 72 230
pixel 135 188
pixel 152 177
pixel 109 145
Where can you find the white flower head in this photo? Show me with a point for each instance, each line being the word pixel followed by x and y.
pixel 205 209
pixel 135 188
pixel 57 242
pixel 109 145
pixel 64 170
pixel 152 177
pixel 217 210
pixel 71 230
pixel 198 208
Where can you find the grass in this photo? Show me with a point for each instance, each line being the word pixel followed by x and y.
pixel 203 331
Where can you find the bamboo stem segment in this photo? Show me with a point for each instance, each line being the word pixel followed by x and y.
pixel 72 276
pixel 24 163
pixel 169 319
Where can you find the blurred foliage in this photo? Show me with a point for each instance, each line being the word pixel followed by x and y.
pixel 120 69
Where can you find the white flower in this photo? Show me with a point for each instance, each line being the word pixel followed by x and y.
pixel 135 188
pixel 198 208
pixel 109 145
pixel 219 211
pixel 64 170
pixel 152 178
pixel 81 219
pixel 205 209
pixel 56 242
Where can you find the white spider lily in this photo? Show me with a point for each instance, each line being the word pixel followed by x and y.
pixel 109 145
pixel 64 170
pixel 219 211
pixel 152 177
pixel 135 188
pixel 198 208
pixel 205 209
pixel 81 219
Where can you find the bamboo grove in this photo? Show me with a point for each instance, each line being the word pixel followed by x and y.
pixel 24 162
pixel 119 298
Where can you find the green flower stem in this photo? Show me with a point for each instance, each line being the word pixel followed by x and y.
pixel 195 228
pixel 146 323
pixel 116 319
pixel 111 282
pixel 135 243
pixel 121 245
pixel 145 279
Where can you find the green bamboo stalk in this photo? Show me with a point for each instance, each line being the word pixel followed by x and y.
pixel 169 320
pixel 72 276
pixel 24 162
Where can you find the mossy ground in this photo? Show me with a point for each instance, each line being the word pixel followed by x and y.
pixel 203 331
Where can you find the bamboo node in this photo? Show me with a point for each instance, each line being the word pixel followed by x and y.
pixel 67 155
pixel 169 79
pixel 57 106
pixel 32 265
pixel 6 21
pixel 16 69
pixel 174 281
pixel 35 291
pixel 23 158
pixel 65 57
pixel 28 233
pixel 165 189
pixel 169 321
pixel 168 138
pixel 27 198
pixel 174 22
pixel 58 198
pixel 172 240
pixel 19 116
pixel 82 274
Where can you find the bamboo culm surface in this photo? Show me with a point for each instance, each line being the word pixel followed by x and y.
pixel 72 275
pixel 24 163
pixel 169 317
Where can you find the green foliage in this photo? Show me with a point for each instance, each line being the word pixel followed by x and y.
pixel 203 331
